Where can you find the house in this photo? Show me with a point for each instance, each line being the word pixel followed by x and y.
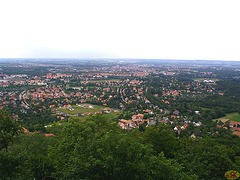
pixel 237 133
pixel 15 117
pixel 51 106
pixel 148 111
pixel 197 124
pixel 138 117
pixel 235 129
pixel 126 124
pixel 176 128
pixel 167 102
pixel 234 124
pixel 184 126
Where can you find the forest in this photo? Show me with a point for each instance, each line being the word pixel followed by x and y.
pixel 98 149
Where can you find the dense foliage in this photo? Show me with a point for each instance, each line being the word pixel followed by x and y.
pixel 98 149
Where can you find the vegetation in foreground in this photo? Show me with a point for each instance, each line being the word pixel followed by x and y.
pixel 98 149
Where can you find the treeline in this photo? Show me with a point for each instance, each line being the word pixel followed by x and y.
pixel 33 119
pixel 231 87
pixel 30 71
pixel 229 102
pixel 98 149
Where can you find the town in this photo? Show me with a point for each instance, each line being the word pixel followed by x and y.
pixel 136 94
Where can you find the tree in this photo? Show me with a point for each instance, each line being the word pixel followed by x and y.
pixel 162 139
pixel 27 158
pixel 98 149
pixel 205 158
pixel 8 129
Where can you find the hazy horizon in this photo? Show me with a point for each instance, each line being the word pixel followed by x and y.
pixel 116 59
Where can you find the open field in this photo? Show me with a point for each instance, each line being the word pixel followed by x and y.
pixel 82 108
pixel 112 115
pixel 109 116
pixel 231 116
pixel 86 108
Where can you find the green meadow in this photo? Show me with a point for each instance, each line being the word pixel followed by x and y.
pixel 82 108
pixel 230 116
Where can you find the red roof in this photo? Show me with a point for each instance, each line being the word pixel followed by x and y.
pixel 185 126
pixel 15 116
pixel 235 129
pixel 236 133
pixel 234 123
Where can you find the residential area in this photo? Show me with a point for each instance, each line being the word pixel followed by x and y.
pixel 142 95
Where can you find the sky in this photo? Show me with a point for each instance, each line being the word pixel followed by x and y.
pixel 149 29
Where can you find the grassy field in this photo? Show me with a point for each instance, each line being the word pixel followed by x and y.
pixel 112 115
pixel 230 116
pixel 84 109
pixel 109 116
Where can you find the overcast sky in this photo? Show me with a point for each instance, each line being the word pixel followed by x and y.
pixel 169 29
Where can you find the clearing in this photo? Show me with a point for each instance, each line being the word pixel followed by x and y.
pixel 109 116
pixel 230 116
pixel 82 108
